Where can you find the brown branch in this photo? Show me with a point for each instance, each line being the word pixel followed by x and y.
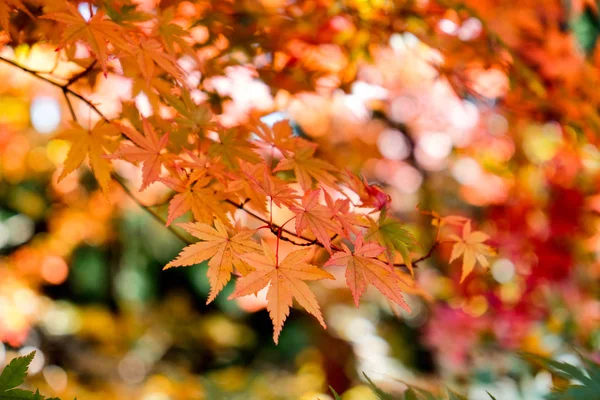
pixel 62 87
pixel 275 229
pixel 66 92
pixel 71 109
pixel 80 75
pixel 148 209
pixel 422 258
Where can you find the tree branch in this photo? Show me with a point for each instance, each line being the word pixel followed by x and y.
pixel 71 109
pixel 66 92
pixel 148 209
pixel 275 229
pixel 62 87
pixel 80 75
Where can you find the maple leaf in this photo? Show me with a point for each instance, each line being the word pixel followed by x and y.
pixel 471 247
pixel 247 184
pixel 370 195
pixel 391 234
pixel 340 209
pixel 363 267
pixel 195 117
pixel 233 147
pixel 96 144
pixel 96 32
pixel 272 187
pixel 280 135
pixel 221 249
pixel 285 280
pixel 315 217
pixel 171 33
pixel 6 6
pixel 195 195
pixel 149 53
pixel 149 150
pixel 307 167
pixel 201 165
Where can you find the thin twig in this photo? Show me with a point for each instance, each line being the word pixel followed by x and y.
pixel 148 209
pixel 80 75
pixel 66 92
pixel 277 230
pixel 71 109
pixel 422 258
pixel 58 85
pixel 274 227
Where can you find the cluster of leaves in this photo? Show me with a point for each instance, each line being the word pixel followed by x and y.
pixel 411 393
pixel 579 383
pixel 215 170
pixel 14 375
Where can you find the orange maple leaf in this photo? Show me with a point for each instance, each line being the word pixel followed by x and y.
pixel 148 150
pixel 471 247
pixel 96 143
pixel 233 147
pixel 315 217
pixel 286 282
pixel 194 194
pixel 149 54
pixel 6 6
pixel 280 135
pixel 278 191
pixel 96 32
pixel 340 209
pixel 307 167
pixel 223 250
pixel 363 267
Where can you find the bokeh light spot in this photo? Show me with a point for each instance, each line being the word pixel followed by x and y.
pixel 54 270
pixel 45 114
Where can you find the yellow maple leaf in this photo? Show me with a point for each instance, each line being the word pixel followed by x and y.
pixel 96 144
pixel 285 280
pixel 195 194
pixel 221 249
pixel 472 248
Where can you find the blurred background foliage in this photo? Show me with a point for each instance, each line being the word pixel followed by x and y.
pixel 81 278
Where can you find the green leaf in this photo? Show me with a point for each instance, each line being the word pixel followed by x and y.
pixel 410 395
pixel 586 28
pixel 489 394
pixel 424 394
pixel 455 396
pixel 562 369
pixel 587 386
pixel 15 372
pixel 381 395
pixel 18 394
pixel 336 396
pixel 392 235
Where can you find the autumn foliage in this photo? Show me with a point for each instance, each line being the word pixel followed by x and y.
pixel 215 170
pixel 297 143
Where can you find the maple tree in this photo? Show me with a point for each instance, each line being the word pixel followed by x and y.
pixel 216 168
pixel 287 142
